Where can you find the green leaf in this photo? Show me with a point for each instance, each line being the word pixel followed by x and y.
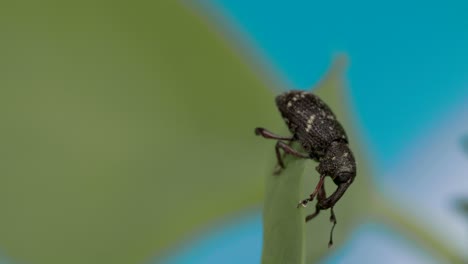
pixel 126 138
pixel 283 224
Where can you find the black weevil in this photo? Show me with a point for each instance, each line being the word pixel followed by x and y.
pixel 314 126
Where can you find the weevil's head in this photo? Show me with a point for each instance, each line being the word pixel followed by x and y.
pixel 338 163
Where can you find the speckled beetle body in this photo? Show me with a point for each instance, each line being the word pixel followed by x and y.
pixel 314 126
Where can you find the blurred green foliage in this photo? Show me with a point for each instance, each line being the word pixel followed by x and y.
pixel 126 127
pixel 462 206
pixel 464 143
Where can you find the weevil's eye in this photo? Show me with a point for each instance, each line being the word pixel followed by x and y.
pixel 342 177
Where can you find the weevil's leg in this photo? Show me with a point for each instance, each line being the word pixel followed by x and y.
pixel 320 196
pixel 335 197
pixel 330 202
pixel 333 220
pixel 312 195
pixel 287 150
pixel 278 167
pixel 260 131
pixel 312 216
pixel 270 135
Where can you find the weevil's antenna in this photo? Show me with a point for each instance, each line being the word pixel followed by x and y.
pixel 333 220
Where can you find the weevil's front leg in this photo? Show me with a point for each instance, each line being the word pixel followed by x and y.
pixel 312 216
pixel 316 191
pixel 330 202
pixel 287 150
pixel 260 131
pixel 320 196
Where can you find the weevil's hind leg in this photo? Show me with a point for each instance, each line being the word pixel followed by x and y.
pixel 279 158
pixel 260 131
pixel 318 190
pixel 333 220
pixel 287 148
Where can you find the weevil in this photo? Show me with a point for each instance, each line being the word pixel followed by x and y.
pixel 323 139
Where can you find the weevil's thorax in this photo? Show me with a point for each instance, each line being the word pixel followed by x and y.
pixel 311 121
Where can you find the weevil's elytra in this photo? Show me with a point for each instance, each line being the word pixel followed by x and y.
pixel 315 127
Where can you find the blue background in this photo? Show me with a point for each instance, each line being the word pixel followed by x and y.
pixel 408 58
